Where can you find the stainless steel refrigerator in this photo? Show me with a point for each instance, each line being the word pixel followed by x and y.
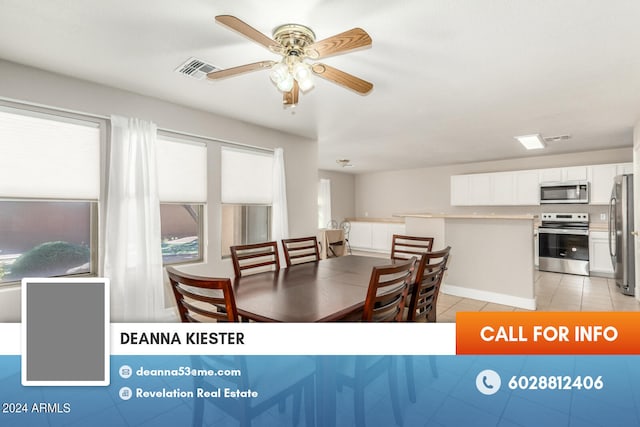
pixel 621 244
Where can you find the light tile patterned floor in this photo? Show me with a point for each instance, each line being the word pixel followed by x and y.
pixel 554 292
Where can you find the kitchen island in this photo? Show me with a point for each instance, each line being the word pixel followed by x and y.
pixel 492 256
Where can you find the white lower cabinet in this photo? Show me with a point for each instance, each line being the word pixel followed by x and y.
pixel 374 236
pixel 360 235
pixel 599 258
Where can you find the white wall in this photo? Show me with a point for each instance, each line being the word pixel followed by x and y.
pixel 41 87
pixel 343 200
pixel 381 194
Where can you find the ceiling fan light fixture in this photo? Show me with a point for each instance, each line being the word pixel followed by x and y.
pixel 302 74
pixel 296 43
pixel 279 72
pixel 286 84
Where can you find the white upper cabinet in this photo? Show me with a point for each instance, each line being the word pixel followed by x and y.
pixel 495 189
pixel 551 175
pixel 504 188
pixel 480 189
pixel 574 173
pixel 602 181
pixel 625 168
pixel 460 190
pixel 522 187
pixel 527 189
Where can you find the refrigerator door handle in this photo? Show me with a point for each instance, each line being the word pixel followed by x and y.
pixel 612 224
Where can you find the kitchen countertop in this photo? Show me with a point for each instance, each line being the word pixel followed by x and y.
pixel 367 219
pixel 468 216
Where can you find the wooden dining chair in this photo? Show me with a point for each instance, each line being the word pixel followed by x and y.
pixel 404 247
pixel 424 296
pixel 423 301
pixel 301 250
pixel 385 300
pixel 387 293
pixel 203 298
pixel 255 258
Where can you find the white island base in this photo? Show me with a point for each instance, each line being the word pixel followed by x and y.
pixel 491 255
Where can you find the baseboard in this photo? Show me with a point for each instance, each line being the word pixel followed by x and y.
pixel 458 291
pixel 605 274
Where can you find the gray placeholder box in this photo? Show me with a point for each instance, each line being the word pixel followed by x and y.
pixel 65 332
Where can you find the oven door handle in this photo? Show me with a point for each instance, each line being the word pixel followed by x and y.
pixel 563 231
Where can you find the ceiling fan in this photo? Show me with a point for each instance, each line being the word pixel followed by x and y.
pixel 297 43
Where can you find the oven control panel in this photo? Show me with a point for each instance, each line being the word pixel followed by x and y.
pixel 565 217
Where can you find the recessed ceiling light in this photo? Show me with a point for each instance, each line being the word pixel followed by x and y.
pixel 531 142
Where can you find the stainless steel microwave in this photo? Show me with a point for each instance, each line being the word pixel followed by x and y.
pixel 564 192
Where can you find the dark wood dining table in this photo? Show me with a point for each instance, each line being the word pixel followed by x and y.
pixel 323 291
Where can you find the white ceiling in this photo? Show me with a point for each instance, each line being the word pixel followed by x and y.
pixel 454 80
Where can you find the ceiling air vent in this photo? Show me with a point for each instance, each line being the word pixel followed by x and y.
pixel 557 138
pixel 196 68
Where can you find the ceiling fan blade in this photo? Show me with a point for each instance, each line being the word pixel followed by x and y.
pixel 229 72
pixel 291 98
pixel 340 43
pixel 340 77
pixel 248 31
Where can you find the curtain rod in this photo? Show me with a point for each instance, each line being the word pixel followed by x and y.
pixel 18 102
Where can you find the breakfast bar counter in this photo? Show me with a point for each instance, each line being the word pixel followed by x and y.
pixel 492 256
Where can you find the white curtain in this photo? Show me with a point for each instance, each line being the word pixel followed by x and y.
pixel 279 215
pixel 133 257
pixel 324 203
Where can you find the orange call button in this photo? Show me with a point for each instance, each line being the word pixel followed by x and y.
pixel 548 333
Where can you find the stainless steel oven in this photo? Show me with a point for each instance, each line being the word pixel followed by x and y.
pixel 564 192
pixel 563 241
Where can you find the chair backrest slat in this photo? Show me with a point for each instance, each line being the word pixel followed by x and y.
pixel 404 247
pixel 215 295
pixel 301 250
pixel 254 257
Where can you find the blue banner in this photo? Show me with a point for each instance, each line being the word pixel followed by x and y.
pixel 336 390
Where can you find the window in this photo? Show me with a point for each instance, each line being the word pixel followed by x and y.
pixel 45 239
pixel 181 229
pixel 247 182
pixel 182 187
pixel 49 188
pixel 324 203
pixel 244 224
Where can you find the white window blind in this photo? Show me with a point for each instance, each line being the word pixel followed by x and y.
pixel 247 176
pixel 182 171
pixel 43 156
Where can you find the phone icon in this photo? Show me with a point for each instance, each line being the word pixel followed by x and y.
pixel 485 383
pixel 488 382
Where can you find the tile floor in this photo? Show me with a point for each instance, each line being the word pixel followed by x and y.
pixel 554 292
